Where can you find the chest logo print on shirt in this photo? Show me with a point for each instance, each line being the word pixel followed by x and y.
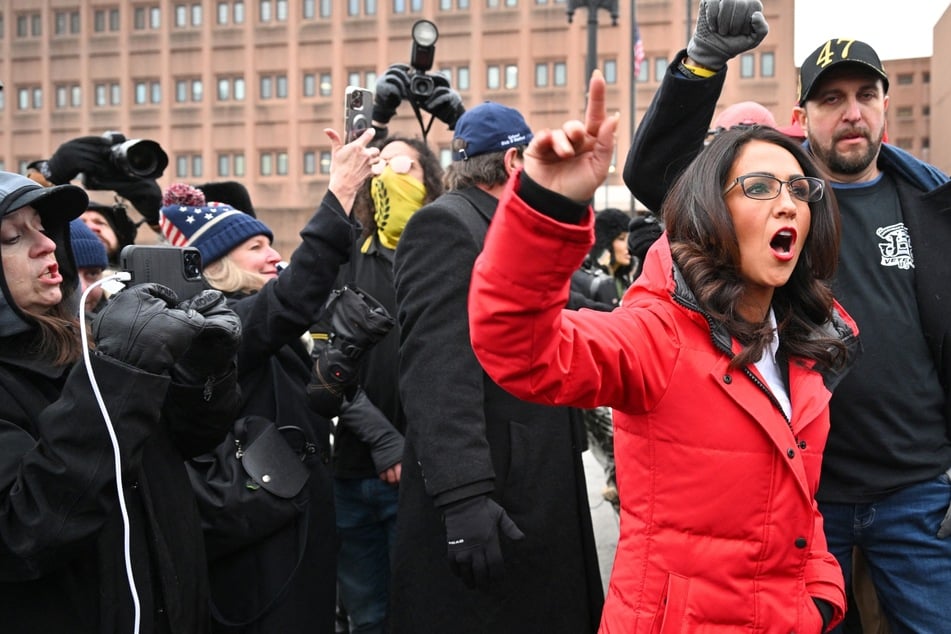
pixel 896 248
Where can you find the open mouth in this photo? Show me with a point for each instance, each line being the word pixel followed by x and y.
pixel 783 241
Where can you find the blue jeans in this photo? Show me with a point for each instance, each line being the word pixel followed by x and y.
pixel 366 527
pixel 909 566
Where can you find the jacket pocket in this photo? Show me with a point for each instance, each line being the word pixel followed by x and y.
pixel 669 617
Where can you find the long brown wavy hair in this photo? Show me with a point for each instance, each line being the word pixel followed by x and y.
pixel 705 247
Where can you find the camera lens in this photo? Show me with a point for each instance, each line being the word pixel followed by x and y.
pixel 356 100
pixel 422 86
pixel 140 158
pixel 192 265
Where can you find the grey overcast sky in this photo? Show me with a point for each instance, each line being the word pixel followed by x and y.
pixel 896 29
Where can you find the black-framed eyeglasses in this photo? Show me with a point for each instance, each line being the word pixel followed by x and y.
pixel 765 187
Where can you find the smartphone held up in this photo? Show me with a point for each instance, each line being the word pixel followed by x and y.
pixel 358 112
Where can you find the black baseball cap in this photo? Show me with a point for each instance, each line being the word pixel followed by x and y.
pixel 63 202
pixel 833 53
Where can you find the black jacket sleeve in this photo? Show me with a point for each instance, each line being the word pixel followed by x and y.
pixel 671 133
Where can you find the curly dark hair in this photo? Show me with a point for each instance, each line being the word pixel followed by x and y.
pixel 704 245
pixel 432 180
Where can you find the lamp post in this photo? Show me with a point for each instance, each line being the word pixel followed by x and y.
pixel 592 6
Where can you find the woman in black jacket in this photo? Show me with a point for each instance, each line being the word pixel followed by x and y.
pixel 275 579
pixel 168 394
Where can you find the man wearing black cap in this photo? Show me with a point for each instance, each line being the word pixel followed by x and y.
pixel 494 482
pixel 885 477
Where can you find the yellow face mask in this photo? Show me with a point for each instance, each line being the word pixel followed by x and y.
pixel 395 198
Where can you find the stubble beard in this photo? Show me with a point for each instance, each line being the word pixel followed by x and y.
pixel 839 163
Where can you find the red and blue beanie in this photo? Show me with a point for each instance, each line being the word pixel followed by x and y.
pixel 187 220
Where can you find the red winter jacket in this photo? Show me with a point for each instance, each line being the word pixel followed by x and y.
pixel 720 531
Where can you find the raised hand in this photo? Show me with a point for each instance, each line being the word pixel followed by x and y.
pixel 574 159
pixel 726 28
pixel 350 165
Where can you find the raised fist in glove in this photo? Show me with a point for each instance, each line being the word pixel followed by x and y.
pixel 726 28
pixel 142 327
pixel 472 534
pixel 212 352
pixel 391 89
pixel 444 103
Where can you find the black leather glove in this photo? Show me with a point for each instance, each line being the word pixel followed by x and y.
pixel 391 89
pixel 472 535
pixel 88 154
pixel 212 352
pixel 726 28
pixel 357 323
pixel 444 103
pixel 140 326
pixel 372 427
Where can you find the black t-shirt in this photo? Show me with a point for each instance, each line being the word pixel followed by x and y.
pixel 888 430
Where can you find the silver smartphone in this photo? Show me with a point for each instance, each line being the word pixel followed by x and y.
pixel 358 112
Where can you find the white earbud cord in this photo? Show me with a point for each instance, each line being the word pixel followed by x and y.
pixel 122 276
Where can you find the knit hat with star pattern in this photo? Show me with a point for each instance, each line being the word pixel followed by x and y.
pixel 213 228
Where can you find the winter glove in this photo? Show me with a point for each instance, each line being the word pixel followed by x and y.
pixel 472 534
pixel 88 154
pixel 357 322
pixel 444 103
pixel 945 529
pixel 391 89
pixel 368 423
pixel 212 353
pixel 140 326
pixel 726 28
pixel 144 194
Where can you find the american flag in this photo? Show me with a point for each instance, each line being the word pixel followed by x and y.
pixel 638 52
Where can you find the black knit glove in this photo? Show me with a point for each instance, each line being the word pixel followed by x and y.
pixel 444 103
pixel 140 326
pixel 212 352
pixel 144 194
pixel 726 28
pixel 391 89
pixel 472 534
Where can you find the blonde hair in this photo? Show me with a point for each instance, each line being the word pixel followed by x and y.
pixel 226 276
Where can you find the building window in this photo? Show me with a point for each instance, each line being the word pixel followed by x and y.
pixel 228 161
pixel 511 76
pixel 281 8
pixel 141 92
pixel 643 74
pixel 197 166
pixel 75 96
pixel 353 8
pixel 223 11
pixel 230 88
pixel 267 164
pixel 309 164
pixel 264 14
pixel 115 94
pixel 239 165
pixel 747 65
pixel 237 13
pixel 66 22
pixel 462 78
pixel 196 15
pixel 308 9
pixel 369 7
pixel 767 64
pixel 660 67
pixel 925 77
pixel 326 85
pixel 926 110
pixel 281 86
pixel 99 95
pixel 147 17
pixel 309 85
pixel 560 74
pixel 281 160
pixel 905 79
pixel 493 78
pixel 325 162
pixel 181 15
pixel 266 92
pixel 541 75
pixel 155 92
pixel 181 167
pixel 905 112
pixel 610 71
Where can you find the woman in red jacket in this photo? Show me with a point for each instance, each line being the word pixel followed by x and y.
pixel 719 365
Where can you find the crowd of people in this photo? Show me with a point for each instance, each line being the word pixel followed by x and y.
pixel 384 432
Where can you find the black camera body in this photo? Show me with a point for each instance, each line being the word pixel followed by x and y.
pixel 139 158
pixel 421 85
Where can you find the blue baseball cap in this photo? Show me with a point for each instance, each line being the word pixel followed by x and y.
pixel 489 127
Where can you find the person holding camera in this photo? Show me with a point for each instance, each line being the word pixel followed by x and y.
pixel 434 96
pixel 166 373
pixel 282 579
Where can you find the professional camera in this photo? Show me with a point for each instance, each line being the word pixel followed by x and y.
pixel 423 53
pixel 138 158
